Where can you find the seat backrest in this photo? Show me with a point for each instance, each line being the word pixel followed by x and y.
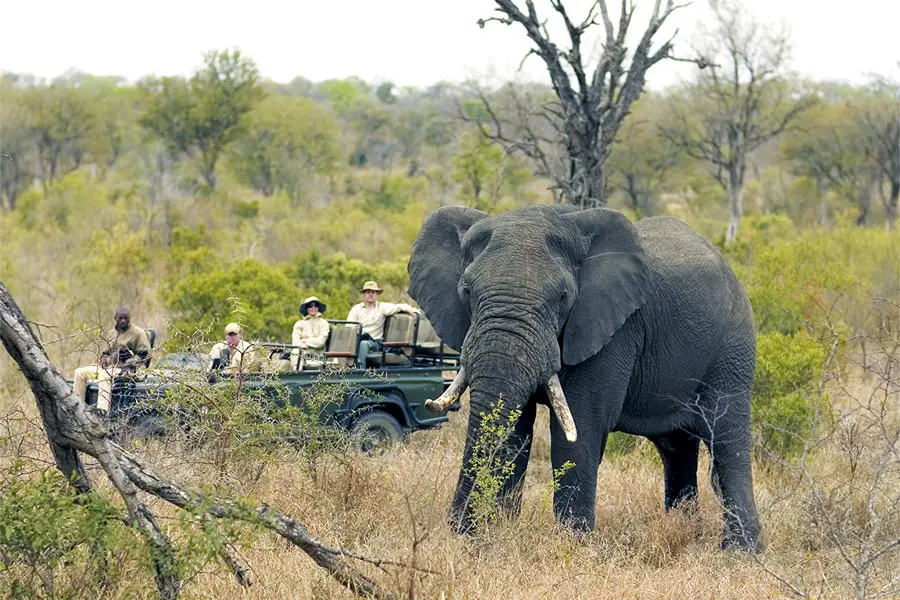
pixel 399 330
pixel 427 337
pixel 342 343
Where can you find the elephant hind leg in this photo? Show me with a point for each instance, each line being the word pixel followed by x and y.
pixel 728 439
pixel 679 451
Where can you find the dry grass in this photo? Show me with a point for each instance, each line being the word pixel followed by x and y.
pixel 395 506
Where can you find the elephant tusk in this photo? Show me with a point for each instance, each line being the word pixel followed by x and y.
pixel 452 393
pixel 561 408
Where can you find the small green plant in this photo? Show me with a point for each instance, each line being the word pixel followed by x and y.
pixel 492 463
pixel 553 484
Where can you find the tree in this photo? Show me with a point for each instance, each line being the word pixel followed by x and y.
pixel 287 141
pixel 588 111
pixel 483 169
pixel 16 158
pixel 61 118
pixel 739 101
pixel 641 158
pixel 207 112
pixel 879 120
pixel 828 148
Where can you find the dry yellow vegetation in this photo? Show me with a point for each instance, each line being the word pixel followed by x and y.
pixel 394 507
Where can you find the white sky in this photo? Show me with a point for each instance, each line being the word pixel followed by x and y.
pixel 410 42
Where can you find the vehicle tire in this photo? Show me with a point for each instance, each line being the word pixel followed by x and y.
pixel 376 432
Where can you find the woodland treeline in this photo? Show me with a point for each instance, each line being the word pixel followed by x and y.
pixel 836 156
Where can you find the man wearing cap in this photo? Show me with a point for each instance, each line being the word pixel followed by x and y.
pixel 371 314
pixel 234 355
pixel 129 348
pixel 310 333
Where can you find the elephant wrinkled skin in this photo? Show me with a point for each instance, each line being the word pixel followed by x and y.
pixel 644 325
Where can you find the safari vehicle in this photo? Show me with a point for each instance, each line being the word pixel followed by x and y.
pixel 381 403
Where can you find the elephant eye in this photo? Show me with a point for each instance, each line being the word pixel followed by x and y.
pixel 564 295
pixel 464 293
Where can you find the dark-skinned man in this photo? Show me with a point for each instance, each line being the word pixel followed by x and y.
pixel 129 348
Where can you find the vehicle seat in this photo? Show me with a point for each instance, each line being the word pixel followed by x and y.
pixel 151 336
pixel 341 348
pixel 429 343
pixel 399 331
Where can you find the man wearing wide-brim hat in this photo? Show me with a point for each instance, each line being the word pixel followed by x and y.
pixel 310 333
pixel 371 313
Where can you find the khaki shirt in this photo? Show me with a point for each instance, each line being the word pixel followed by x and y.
pixel 310 332
pixel 372 319
pixel 134 338
pixel 239 359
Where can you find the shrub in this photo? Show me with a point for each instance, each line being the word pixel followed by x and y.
pixel 786 404
pixel 262 298
pixel 336 279
pixel 46 527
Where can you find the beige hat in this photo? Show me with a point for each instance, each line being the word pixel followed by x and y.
pixel 232 328
pixel 371 285
pixel 311 300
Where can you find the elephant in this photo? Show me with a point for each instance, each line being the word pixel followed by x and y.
pixel 617 326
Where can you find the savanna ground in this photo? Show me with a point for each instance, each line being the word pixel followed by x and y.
pixel 394 507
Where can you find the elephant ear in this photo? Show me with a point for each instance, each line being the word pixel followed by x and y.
pixel 435 267
pixel 613 282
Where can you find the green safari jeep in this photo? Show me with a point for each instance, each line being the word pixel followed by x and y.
pixel 381 402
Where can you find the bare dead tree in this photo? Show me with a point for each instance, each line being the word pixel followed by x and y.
pixel 739 102
pixel 72 429
pixel 590 107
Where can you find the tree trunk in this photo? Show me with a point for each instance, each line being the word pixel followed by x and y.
pixel 587 186
pixel 892 206
pixel 865 205
pixel 72 428
pixel 736 206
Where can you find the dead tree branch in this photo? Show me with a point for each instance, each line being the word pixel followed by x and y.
pixel 593 105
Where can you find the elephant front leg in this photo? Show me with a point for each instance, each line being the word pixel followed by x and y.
pixel 576 488
pixel 519 451
pixel 492 477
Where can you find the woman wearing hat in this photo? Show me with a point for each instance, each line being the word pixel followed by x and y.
pixel 371 314
pixel 310 332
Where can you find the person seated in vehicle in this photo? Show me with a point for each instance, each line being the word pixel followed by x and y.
pixel 371 314
pixel 129 348
pixel 310 333
pixel 234 355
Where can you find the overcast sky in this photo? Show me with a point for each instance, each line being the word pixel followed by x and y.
pixel 410 42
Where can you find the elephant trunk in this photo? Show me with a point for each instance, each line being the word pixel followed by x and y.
pixel 501 380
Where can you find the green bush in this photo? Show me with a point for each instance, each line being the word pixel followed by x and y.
pixel 55 543
pixel 262 298
pixel 786 404
pixel 336 279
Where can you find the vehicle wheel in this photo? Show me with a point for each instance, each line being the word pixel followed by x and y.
pixel 376 432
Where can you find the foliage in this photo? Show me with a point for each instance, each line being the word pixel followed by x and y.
pixel 45 526
pixel 336 279
pixel 288 141
pixel 482 168
pixel 233 425
pixel 787 407
pixel 207 112
pixel 260 297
